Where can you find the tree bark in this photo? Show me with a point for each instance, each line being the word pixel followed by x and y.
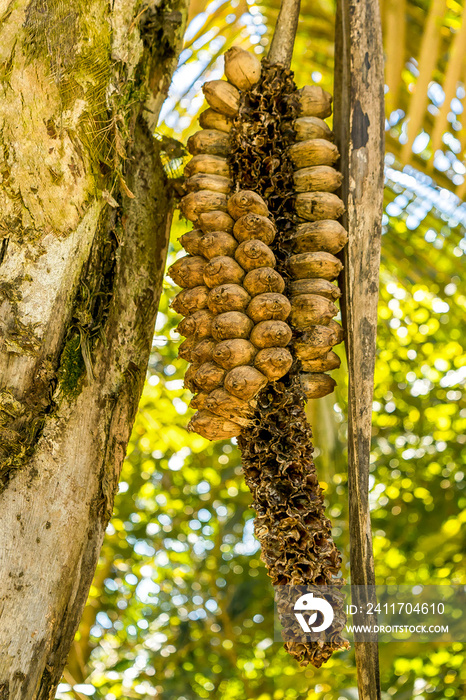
pixel 359 130
pixel 85 211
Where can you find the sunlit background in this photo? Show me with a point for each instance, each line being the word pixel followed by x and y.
pixel 181 607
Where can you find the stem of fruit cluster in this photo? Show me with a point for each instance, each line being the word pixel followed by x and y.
pixel 281 48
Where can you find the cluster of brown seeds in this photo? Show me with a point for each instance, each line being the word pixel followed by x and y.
pixel 262 256
pixel 315 239
pixel 236 334
pixel 233 297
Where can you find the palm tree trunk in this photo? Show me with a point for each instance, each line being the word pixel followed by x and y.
pixel 84 220
pixel 359 128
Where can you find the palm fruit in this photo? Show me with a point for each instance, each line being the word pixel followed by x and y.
pixel 202 350
pixel 210 141
pixel 310 310
pixel 254 226
pixel 323 265
pixel 234 352
pixel 188 272
pixel 315 206
pixel 313 152
pixel 228 297
pixel 222 270
pixel 190 300
pixel 253 254
pixel 198 324
pixel 244 382
pixel 263 279
pixel 261 193
pixel 323 288
pixel 246 202
pixel 209 376
pixel 216 221
pixel 273 362
pixel 210 119
pixel 318 178
pixel 242 68
pixel 231 324
pixel 222 97
pixel 322 364
pixel 208 165
pixel 204 181
pixel 326 235
pixel 316 385
pixel 269 334
pixel 217 243
pixel 213 427
pixel 196 203
pixel 269 305
pixel 190 241
pixel 306 128
pixel 224 404
pixel 315 102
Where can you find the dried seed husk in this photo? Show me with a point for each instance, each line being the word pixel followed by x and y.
pixel 306 128
pixel 307 265
pixel 190 378
pixel 254 254
pixel 233 353
pixel 254 226
pixel 316 342
pixel 322 364
pixel 190 300
pixel 213 427
pixel 188 272
pixel 216 244
pixel 222 96
pixel 311 310
pixel 199 401
pixel 222 403
pixel 190 241
pixel 198 324
pixel 196 203
pixel 231 324
pixel 210 141
pixel 263 279
pixel 209 376
pixel 186 349
pixel 315 102
pixel 202 350
pixel 210 119
pixel 214 183
pixel 273 362
pixel 216 221
pixel 222 270
pixel 242 68
pixel 267 306
pixel 246 201
pixel 315 206
pixel 228 297
pixel 339 331
pixel 327 235
pixel 318 178
pixel 269 334
pixel 313 152
pixel 316 385
pixel 210 165
pixel 244 382
pixel 323 288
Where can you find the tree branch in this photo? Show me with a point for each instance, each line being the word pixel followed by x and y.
pixel 281 48
pixel 359 131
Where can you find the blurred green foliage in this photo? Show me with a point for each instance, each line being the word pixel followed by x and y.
pixel 181 607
